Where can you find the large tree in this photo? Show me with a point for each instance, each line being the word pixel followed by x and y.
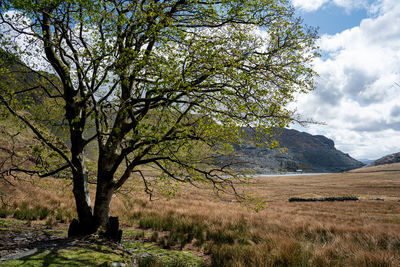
pixel 160 83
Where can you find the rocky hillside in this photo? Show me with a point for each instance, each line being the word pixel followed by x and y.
pixel 392 158
pixel 306 152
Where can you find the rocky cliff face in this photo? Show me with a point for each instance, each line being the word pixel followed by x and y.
pixel 306 152
pixel 392 158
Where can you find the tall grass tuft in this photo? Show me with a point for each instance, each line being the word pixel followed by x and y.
pixel 25 212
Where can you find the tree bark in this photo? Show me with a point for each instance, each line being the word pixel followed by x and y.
pixel 83 205
pixel 82 199
pixel 104 193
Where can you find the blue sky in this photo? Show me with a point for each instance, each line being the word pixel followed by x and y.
pixel 356 94
pixel 332 19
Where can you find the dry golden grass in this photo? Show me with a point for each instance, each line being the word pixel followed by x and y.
pixel 379 168
pixel 360 233
pixel 354 233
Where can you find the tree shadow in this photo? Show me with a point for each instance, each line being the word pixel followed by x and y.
pixel 48 252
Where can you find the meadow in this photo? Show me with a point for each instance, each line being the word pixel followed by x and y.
pixel 226 233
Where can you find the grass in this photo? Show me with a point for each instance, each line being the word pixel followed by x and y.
pixel 149 253
pixel 90 251
pixel 144 254
pixel 88 256
pixel 359 233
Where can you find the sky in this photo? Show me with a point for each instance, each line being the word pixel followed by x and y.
pixel 357 94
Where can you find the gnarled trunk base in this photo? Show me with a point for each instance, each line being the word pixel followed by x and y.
pixel 112 231
pixel 77 228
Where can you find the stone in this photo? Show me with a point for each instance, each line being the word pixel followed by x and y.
pixel 112 230
pixel 74 229
pixel 118 264
pixel 297 199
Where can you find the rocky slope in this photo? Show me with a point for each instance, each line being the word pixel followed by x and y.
pixel 306 152
pixel 392 158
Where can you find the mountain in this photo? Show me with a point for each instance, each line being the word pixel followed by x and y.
pixel 392 158
pixel 305 152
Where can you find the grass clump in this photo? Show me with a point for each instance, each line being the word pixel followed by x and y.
pixel 62 215
pixel 5 212
pixel 149 254
pixel 25 212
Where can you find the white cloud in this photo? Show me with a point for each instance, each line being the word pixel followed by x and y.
pixel 313 5
pixel 356 93
pixel 309 5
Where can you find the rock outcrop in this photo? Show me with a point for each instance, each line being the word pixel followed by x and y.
pixel 304 152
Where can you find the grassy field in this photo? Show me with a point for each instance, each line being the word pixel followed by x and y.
pixel 354 233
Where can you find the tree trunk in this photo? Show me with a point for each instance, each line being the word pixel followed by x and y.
pixel 104 193
pixel 85 225
pixel 102 219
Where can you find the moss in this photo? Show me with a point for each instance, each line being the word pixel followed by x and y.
pixel 89 256
pixel 134 234
pixel 101 255
pixel 143 253
pixel 163 257
pixel 9 222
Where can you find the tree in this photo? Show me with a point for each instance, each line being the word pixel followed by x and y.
pixel 155 82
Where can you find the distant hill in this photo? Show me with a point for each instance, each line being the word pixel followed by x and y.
pixel 366 161
pixel 392 158
pixel 306 152
pixel 392 167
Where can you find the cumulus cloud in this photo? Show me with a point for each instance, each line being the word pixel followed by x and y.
pixel 356 92
pixel 309 5
pixel 313 5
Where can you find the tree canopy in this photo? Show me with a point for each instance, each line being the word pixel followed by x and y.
pixel 166 83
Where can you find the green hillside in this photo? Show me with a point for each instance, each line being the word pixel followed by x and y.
pixel 31 96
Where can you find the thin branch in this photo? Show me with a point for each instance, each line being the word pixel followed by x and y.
pixel 35 131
